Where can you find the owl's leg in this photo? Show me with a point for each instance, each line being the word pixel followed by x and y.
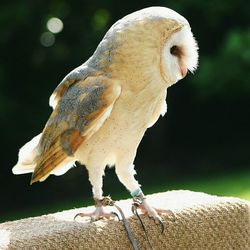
pixel 96 180
pixel 126 176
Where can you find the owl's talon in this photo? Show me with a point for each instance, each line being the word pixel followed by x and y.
pixel 141 203
pixel 161 222
pixel 116 214
pixel 79 214
pixel 99 212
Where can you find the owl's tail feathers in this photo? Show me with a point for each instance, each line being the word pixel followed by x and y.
pixel 27 157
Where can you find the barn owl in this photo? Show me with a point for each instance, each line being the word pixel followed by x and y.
pixel 102 108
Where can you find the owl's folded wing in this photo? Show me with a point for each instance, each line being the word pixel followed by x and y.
pixel 80 112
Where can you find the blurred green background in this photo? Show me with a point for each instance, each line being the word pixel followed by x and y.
pixel 201 144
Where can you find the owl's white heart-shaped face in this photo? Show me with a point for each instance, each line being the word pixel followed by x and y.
pixel 180 55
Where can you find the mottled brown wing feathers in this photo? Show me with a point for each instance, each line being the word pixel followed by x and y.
pixel 78 115
pixel 56 153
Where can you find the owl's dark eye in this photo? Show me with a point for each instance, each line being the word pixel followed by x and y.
pixel 175 51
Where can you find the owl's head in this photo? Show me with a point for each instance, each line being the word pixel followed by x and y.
pixel 154 43
pixel 179 54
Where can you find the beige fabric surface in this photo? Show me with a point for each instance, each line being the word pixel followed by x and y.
pixel 202 222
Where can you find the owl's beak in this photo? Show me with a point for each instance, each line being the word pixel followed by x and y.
pixel 184 71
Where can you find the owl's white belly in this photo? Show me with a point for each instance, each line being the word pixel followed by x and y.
pixel 118 138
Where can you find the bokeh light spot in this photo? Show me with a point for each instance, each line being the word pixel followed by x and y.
pixel 55 25
pixel 47 39
pixel 100 19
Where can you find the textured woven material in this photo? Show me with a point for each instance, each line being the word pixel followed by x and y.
pixel 202 222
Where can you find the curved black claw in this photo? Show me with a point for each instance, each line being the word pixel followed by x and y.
pixel 116 214
pixel 161 222
pixel 79 214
